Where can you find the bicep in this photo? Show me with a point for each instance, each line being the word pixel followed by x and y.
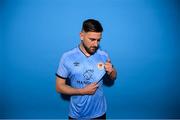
pixel 60 81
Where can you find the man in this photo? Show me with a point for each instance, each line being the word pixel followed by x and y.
pixel 86 66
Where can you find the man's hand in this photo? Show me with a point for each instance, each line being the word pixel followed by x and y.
pixel 89 89
pixel 108 66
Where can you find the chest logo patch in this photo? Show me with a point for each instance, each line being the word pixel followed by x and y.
pixel 76 63
pixel 100 66
pixel 88 74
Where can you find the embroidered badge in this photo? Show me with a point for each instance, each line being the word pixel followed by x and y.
pixel 100 66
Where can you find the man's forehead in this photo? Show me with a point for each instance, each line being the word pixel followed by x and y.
pixel 94 34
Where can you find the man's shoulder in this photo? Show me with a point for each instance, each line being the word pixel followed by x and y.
pixel 70 53
pixel 102 52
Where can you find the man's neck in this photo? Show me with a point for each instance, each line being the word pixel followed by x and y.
pixel 84 50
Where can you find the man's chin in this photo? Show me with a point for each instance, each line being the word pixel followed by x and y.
pixel 92 52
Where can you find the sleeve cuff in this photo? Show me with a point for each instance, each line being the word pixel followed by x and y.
pixel 60 76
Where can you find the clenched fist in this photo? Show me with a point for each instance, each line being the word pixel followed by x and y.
pixel 89 89
pixel 108 66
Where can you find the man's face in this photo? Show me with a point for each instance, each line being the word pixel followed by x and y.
pixel 90 41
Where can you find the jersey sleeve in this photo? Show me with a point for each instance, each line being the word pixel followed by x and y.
pixel 62 71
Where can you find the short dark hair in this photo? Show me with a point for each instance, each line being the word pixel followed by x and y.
pixel 91 25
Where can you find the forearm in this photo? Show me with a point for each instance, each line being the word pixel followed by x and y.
pixel 66 89
pixel 113 74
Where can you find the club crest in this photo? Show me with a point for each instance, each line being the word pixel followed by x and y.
pixel 100 66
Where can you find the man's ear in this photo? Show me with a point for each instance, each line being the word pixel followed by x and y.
pixel 81 35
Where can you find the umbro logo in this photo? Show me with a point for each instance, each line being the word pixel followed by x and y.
pixel 76 63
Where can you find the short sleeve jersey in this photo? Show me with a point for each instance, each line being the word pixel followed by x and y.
pixel 81 71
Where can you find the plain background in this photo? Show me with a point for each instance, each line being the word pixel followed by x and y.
pixel 141 37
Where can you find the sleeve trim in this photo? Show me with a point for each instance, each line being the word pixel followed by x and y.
pixel 60 76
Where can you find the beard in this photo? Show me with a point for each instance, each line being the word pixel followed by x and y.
pixel 91 50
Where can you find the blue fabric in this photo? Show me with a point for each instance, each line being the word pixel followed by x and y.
pixel 83 70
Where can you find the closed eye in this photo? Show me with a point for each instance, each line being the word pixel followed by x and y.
pixel 92 39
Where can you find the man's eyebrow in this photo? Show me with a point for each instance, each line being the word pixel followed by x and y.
pixel 92 38
pixel 95 39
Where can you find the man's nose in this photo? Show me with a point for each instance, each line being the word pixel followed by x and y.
pixel 96 43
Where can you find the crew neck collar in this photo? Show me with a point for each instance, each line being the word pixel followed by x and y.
pixel 83 52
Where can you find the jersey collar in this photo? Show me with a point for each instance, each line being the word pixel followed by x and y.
pixel 85 54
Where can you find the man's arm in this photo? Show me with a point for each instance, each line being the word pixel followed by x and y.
pixel 110 70
pixel 62 87
pixel 113 74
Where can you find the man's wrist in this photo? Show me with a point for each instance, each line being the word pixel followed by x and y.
pixel 80 91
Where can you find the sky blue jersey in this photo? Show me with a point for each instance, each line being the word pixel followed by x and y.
pixel 81 71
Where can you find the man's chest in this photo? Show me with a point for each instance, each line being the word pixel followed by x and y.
pixel 85 71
